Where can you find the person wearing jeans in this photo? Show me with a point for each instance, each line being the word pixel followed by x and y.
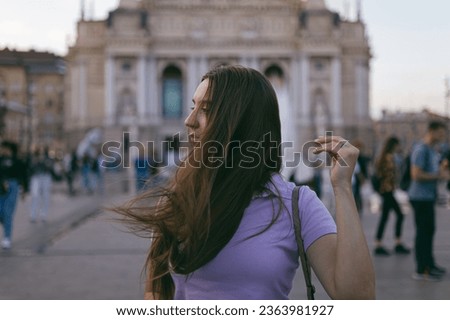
pixel 11 174
pixel 386 171
pixel 41 182
pixel 425 220
pixel 7 208
pixel 40 195
pixel 425 174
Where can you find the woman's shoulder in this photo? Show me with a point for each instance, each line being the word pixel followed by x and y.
pixel 278 186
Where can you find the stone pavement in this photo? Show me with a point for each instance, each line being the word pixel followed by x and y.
pixel 81 253
pixel 65 213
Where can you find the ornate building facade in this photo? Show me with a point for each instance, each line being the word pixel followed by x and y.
pixel 136 71
pixel 32 98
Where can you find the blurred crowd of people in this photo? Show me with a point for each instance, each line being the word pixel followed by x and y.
pixel 423 174
pixel 33 174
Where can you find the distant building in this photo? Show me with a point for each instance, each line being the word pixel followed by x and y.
pixel 136 71
pixel 409 127
pixel 32 98
pixel 13 110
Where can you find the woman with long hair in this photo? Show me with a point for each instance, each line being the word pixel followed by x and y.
pixel 222 229
pixel 385 169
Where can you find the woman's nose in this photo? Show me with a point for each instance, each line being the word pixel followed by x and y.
pixel 191 120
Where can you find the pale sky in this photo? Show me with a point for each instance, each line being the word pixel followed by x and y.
pixel 410 41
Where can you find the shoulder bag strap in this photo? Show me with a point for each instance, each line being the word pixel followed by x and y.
pixel 301 250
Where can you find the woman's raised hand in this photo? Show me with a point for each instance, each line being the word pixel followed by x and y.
pixel 344 157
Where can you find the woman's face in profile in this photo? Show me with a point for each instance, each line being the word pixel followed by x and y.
pixel 197 119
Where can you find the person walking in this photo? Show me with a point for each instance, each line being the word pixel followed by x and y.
pixel 41 184
pixel 12 175
pixel 144 167
pixel 360 175
pixel 222 228
pixel 87 174
pixel 70 162
pixel 425 174
pixel 386 171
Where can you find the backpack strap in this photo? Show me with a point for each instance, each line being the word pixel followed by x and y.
pixel 310 289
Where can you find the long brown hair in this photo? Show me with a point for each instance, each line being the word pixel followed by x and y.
pixel 388 148
pixel 197 214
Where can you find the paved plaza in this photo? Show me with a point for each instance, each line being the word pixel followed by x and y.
pixel 82 253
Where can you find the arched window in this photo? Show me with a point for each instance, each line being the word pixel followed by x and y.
pixel 172 85
pixel 276 76
pixel 274 70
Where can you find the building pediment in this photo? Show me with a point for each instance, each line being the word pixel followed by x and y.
pixel 220 4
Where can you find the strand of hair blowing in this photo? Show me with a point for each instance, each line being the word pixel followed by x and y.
pixel 199 212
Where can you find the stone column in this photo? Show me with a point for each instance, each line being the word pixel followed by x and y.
pixel 295 87
pixel 141 87
pixel 336 93
pixel 243 61
pixel 362 90
pixel 249 61
pixel 303 123
pixel 305 99
pixel 203 66
pixel 365 90
pixel 110 104
pixel 152 88
pixel 192 82
pixel 82 86
pixel 75 96
pixel 253 62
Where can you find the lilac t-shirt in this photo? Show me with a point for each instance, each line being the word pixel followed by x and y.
pixel 262 267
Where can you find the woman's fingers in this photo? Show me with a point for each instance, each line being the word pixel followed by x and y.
pixel 337 147
pixel 330 144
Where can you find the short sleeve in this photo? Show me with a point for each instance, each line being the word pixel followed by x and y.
pixel 418 158
pixel 316 220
